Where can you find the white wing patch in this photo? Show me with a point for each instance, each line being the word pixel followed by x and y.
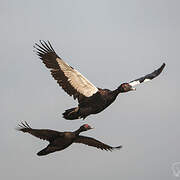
pixel 146 80
pixel 134 83
pixel 77 80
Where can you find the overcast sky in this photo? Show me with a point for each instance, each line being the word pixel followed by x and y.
pixel 109 42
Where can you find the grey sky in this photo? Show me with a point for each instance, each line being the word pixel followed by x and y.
pixel 109 42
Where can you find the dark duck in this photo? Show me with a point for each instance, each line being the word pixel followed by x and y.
pixel 91 100
pixel 61 140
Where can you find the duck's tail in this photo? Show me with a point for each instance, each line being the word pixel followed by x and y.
pixel 43 152
pixel 49 149
pixel 72 114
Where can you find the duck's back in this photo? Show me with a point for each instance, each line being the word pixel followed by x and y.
pixel 65 141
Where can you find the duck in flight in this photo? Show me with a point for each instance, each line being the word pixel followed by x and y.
pixel 91 100
pixel 61 140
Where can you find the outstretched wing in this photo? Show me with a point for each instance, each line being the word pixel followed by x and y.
pixel 147 77
pixel 44 134
pixel 73 82
pixel 95 143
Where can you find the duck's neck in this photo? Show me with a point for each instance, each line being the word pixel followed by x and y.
pixel 116 92
pixel 120 89
pixel 77 132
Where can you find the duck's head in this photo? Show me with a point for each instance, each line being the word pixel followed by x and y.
pixel 86 127
pixel 125 87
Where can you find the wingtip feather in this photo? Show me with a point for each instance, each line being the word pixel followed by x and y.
pixel 118 147
pixel 23 126
pixel 163 65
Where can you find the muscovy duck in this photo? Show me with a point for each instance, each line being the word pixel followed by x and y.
pixel 91 100
pixel 61 140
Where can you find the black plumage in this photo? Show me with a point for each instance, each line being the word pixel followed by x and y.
pixel 91 100
pixel 61 140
